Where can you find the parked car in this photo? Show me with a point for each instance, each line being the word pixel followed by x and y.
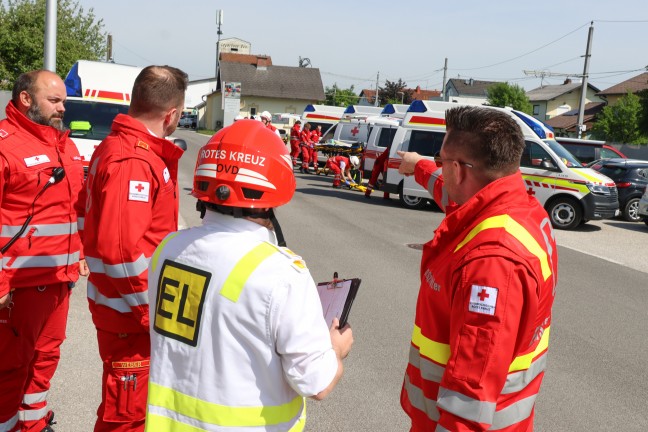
pixel 643 206
pixel 631 178
pixel 589 150
pixel 188 121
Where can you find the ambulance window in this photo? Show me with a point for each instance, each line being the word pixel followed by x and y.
pixel 533 156
pixel 386 136
pixel 425 143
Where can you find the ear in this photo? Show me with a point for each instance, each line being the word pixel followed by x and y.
pixel 461 172
pixel 25 99
pixel 169 117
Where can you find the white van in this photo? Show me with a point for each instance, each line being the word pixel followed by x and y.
pixel 382 135
pixel 321 115
pixel 96 93
pixel 571 193
pixel 361 111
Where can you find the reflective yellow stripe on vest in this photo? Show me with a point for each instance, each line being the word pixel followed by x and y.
pixel 216 414
pixel 516 230
pixel 158 251
pixel 440 352
pixel 243 269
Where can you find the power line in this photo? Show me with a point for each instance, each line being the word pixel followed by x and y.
pixel 525 54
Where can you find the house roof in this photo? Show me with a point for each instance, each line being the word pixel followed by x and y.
pixel 550 92
pixel 470 87
pixel 258 77
pixel 417 94
pixel 633 85
pixel 569 120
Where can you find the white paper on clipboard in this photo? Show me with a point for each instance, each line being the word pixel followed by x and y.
pixel 337 297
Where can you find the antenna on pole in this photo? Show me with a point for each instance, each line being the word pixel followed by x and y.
pixel 219 22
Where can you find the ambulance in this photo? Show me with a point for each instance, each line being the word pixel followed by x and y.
pixel 382 135
pixel 321 115
pixel 360 112
pixel 96 93
pixel 571 194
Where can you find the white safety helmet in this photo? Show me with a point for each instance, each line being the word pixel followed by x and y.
pixel 266 115
pixel 355 161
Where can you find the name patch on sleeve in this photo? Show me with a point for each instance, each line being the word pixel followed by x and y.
pixel 483 300
pixel 138 190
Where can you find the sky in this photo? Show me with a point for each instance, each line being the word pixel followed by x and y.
pixel 353 41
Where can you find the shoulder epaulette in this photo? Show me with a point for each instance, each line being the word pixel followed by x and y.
pixel 296 261
pixel 141 144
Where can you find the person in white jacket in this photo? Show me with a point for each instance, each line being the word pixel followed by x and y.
pixel 238 334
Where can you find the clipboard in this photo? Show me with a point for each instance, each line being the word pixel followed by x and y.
pixel 337 298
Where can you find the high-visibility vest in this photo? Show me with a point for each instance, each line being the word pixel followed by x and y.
pixel 213 364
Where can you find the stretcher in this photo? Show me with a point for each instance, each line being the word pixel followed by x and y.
pixel 342 148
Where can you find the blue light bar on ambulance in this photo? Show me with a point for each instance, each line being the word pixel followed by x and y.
pixel 417 106
pixel 534 124
pixel 73 82
pixel 389 109
pixel 350 110
pixel 309 108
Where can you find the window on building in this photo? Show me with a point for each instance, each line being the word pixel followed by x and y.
pixel 536 109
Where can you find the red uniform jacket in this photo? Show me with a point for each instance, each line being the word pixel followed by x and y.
pixel 315 137
pixel 305 137
pixel 483 315
pixel 49 249
pixel 339 161
pixel 294 134
pixel 131 204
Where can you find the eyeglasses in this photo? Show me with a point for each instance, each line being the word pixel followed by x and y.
pixel 438 160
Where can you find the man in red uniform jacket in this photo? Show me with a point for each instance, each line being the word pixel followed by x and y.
pixel 488 279
pixel 315 137
pixel 305 146
pixel 40 263
pixel 380 166
pixel 131 204
pixel 295 132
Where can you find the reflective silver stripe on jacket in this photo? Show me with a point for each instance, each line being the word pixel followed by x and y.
pixel 80 223
pixel 33 415
pixel 33 398
pixel 122 270
pixel 120 304
pixel 42 230
pixel 430 371
pixel 9 424
pixel 516 381
pixel 41 261
pixel 512 414
pixel 419 401
pixel 466 407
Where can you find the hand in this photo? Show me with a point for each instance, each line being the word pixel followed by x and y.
pixel 410 159
pixel 341 338
pixel 5 300
pixel 84 270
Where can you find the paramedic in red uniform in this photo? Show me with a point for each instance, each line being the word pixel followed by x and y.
pixel 488 278
pixel 380 166
pixel 341 167
pixel 131 203
pixel 305 146
pixel 315 137
pixel 266 119
pixel 40 267
pixel 295 132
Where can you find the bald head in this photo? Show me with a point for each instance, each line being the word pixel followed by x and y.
pixel 40 95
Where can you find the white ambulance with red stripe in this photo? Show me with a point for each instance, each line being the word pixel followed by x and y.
pixel 96 93
pixel 571 193
pixel 382 135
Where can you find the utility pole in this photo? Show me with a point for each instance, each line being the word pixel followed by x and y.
pixel 49 58
pixel 581 108
pixel 109 54
pixel 219 22
pixel 443 85
pixel 377 81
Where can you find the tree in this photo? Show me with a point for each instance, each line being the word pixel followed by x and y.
pixel 336 96
pixel 643 118
pixel 620 122
pixel 395 92
pixel 507 95
pixel 22 35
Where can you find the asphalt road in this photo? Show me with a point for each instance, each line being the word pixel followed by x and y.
pixel 597 376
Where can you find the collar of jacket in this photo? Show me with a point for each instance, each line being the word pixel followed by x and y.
pixel 495 197
pixel 165 149
pixel 225 223
pixel 47 135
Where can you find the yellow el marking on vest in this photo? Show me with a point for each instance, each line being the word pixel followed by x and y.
pixel 243 269
pixel 181 294
pixel 221 415
pixel 512 227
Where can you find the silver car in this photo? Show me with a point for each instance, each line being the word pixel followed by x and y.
pixel 643 206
